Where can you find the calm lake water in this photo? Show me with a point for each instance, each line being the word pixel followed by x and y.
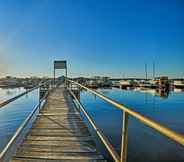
pixel 144 144
pixel 13 114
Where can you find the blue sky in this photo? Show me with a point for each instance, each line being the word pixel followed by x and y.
pixel 96 37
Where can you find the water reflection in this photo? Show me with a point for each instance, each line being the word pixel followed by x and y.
pixel 144 144
pixel 13 114
pixel 177 90
pixel 7 93
pixel 162 92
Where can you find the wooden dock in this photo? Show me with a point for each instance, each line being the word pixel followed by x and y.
pixel 58 134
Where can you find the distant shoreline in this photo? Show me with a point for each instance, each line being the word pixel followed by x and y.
pixel 8 86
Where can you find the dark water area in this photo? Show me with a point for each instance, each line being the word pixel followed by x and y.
pixel 13 114
pixel 144 143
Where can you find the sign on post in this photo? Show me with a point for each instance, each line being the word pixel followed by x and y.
pixel 60 64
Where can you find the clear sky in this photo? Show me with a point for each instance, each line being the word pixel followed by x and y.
pixel 96 37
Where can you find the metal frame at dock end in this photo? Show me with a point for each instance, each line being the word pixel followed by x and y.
pixel 178 138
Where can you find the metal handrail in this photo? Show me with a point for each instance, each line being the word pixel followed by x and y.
pixel 178 138
pixel 22 94
pixel 99 133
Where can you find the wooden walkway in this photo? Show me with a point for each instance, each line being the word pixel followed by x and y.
pixel 58 134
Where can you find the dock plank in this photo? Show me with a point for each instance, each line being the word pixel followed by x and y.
pixel 58 134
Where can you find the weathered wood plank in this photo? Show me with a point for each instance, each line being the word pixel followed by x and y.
pixel 57 155
pixel 46 148
pixel 60 143
pixel 50 138
pixel 60 149
pixel 49 160
pixel 55 125
pixel 58 115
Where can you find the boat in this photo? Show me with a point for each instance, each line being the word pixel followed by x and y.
pixel 179 84
pixel 147 84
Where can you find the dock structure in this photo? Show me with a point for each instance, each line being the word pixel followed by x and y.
pixel 58 134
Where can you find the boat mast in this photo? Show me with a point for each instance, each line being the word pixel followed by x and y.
pixel 153 70
pixel 146 71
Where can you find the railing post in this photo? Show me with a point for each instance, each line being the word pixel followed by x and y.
pixel 124 139
pixel 39 97
pixel 69 85
pixel 66 77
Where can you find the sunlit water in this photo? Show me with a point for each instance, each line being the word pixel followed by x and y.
pixel 144 144
pixel 13 114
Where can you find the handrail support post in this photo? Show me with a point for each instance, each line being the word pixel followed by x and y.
pixel 124 139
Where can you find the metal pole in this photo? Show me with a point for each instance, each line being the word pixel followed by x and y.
pixel 66 77
pixel 124 139
pixel 153 70
pixel 146 72
pixel 54 76
pixel 39 97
